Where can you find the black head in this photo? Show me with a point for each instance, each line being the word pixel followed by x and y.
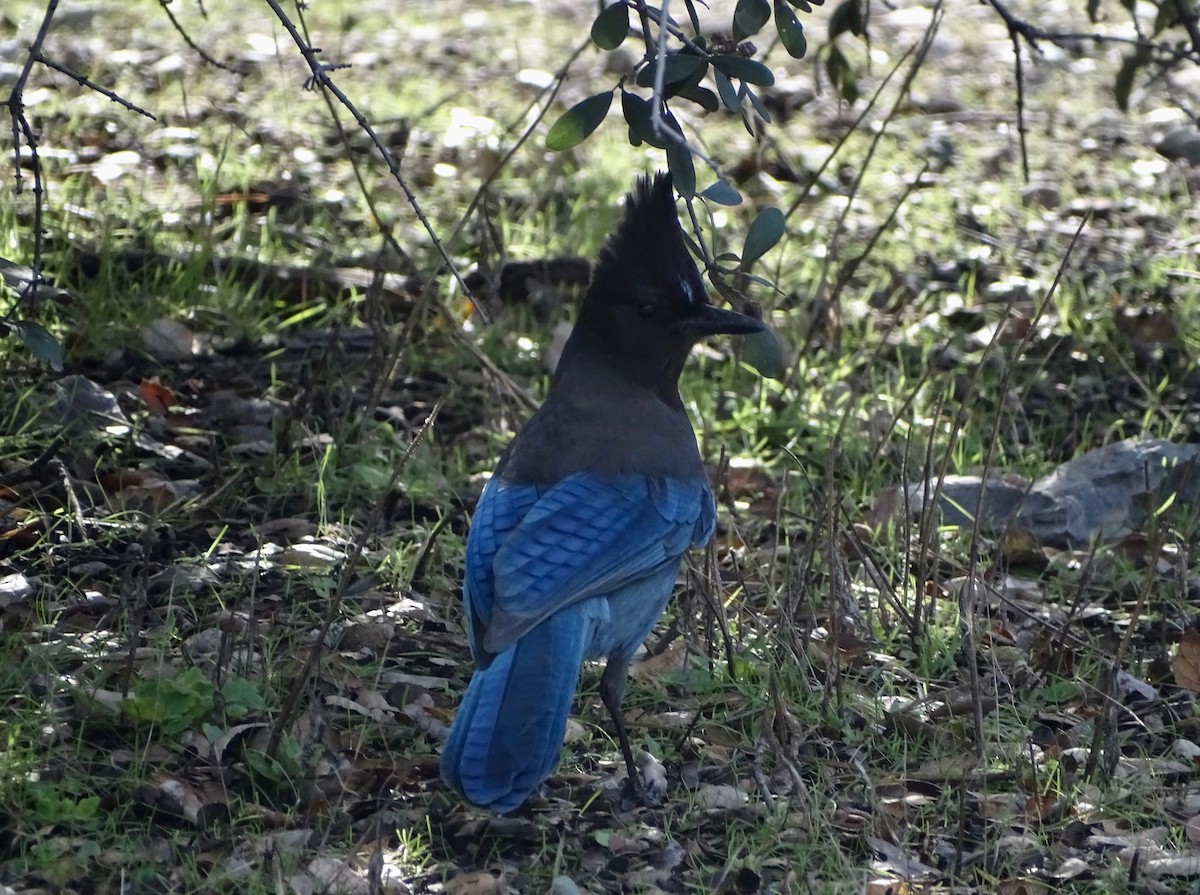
pixel 646 305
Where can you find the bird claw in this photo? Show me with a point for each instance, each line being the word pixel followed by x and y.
pixel 648 787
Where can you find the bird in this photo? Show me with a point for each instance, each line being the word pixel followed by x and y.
pixel 580 532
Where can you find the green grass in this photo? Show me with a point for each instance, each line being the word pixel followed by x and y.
pixel 171 659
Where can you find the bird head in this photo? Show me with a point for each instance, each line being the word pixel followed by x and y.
pixel 646 305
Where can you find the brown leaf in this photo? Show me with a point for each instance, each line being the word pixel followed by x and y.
pixel 478 883
pixel 156 396
pixel 1186 663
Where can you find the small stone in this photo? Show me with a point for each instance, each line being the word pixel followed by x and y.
pixel 1041 195
pixel 1181 143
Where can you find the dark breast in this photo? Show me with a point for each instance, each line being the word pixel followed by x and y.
pixel 609 437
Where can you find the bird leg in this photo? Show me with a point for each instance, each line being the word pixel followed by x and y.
pixel 612 691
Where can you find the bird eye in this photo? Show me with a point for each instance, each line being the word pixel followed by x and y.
pixel 645 310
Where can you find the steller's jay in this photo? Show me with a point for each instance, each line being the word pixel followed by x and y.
pixel 579 535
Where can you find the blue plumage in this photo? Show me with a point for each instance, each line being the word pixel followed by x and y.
pixel 578 537
pixel 566 583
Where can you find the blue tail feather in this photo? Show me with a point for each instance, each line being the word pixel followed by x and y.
pixel 509 729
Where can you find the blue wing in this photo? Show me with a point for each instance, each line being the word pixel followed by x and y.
pixel 556 574
pixel 499 511
pixel 552 546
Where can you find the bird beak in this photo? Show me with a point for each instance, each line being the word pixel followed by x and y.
pixel 710 321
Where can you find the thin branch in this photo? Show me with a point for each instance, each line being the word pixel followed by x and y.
pixel 87 82
pixel 320 78
pixel 195 48
pixel 1032 34
pixel 21 127
pixel 660 68
pixel 1019 72
pixel 348 570
pixel 1188 19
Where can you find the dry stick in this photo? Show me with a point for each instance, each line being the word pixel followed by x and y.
pixel 856 389
pixel 660 66
pixel 922 51
pixel 807 562
pixel 960 417
pixel 36 465
pixel 1019 71
pixel 446 263
pixel 21 127
pixel 1188 18
pixel 794 372
pixel 967 603
pixel 851 265
pixel 320 78
pixel 73 504
pixel 335 601
pixel 84 81
pixel 852 129
pixel 659 103
pixel 923 610
pixel 1033 34
pixel 1154 545
pixel 166 7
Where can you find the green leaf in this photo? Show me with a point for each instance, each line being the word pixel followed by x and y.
pixel 578 122
pixel 749 16
pixel 40 343
pixel 638 113
pixel 19 279
pixel 726 90
pixel 746 69
pixel 692 246
pixel 803 6
pixel 172 704
pixel 1124 82
pixel 611 26
pixel 758 105
pixel 723 288
pixel 766 230
pixel 841 74
pixel 241 696
pixel 791 32
pixel 677 68
pixel 722 193
pixel 701 96
pixel 1167 17
pixel 764 352
pixel 847 17
pixel 693 16
pixel 682 168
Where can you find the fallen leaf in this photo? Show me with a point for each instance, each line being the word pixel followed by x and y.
pixel 1186 662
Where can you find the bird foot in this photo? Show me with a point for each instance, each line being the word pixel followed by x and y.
pixel 647 787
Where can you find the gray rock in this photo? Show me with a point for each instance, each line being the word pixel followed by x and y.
pixel 1105 493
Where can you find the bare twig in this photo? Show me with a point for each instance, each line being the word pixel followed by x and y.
pixel 1188 18
pixel 192 45
pixel 1019 73
pixel 23 131
pixel 21 128
pixel 84 81
pixel 1033 34
pixel 349 566
pixel 320 78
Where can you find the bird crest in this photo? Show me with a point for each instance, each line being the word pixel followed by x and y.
pixel 648 252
